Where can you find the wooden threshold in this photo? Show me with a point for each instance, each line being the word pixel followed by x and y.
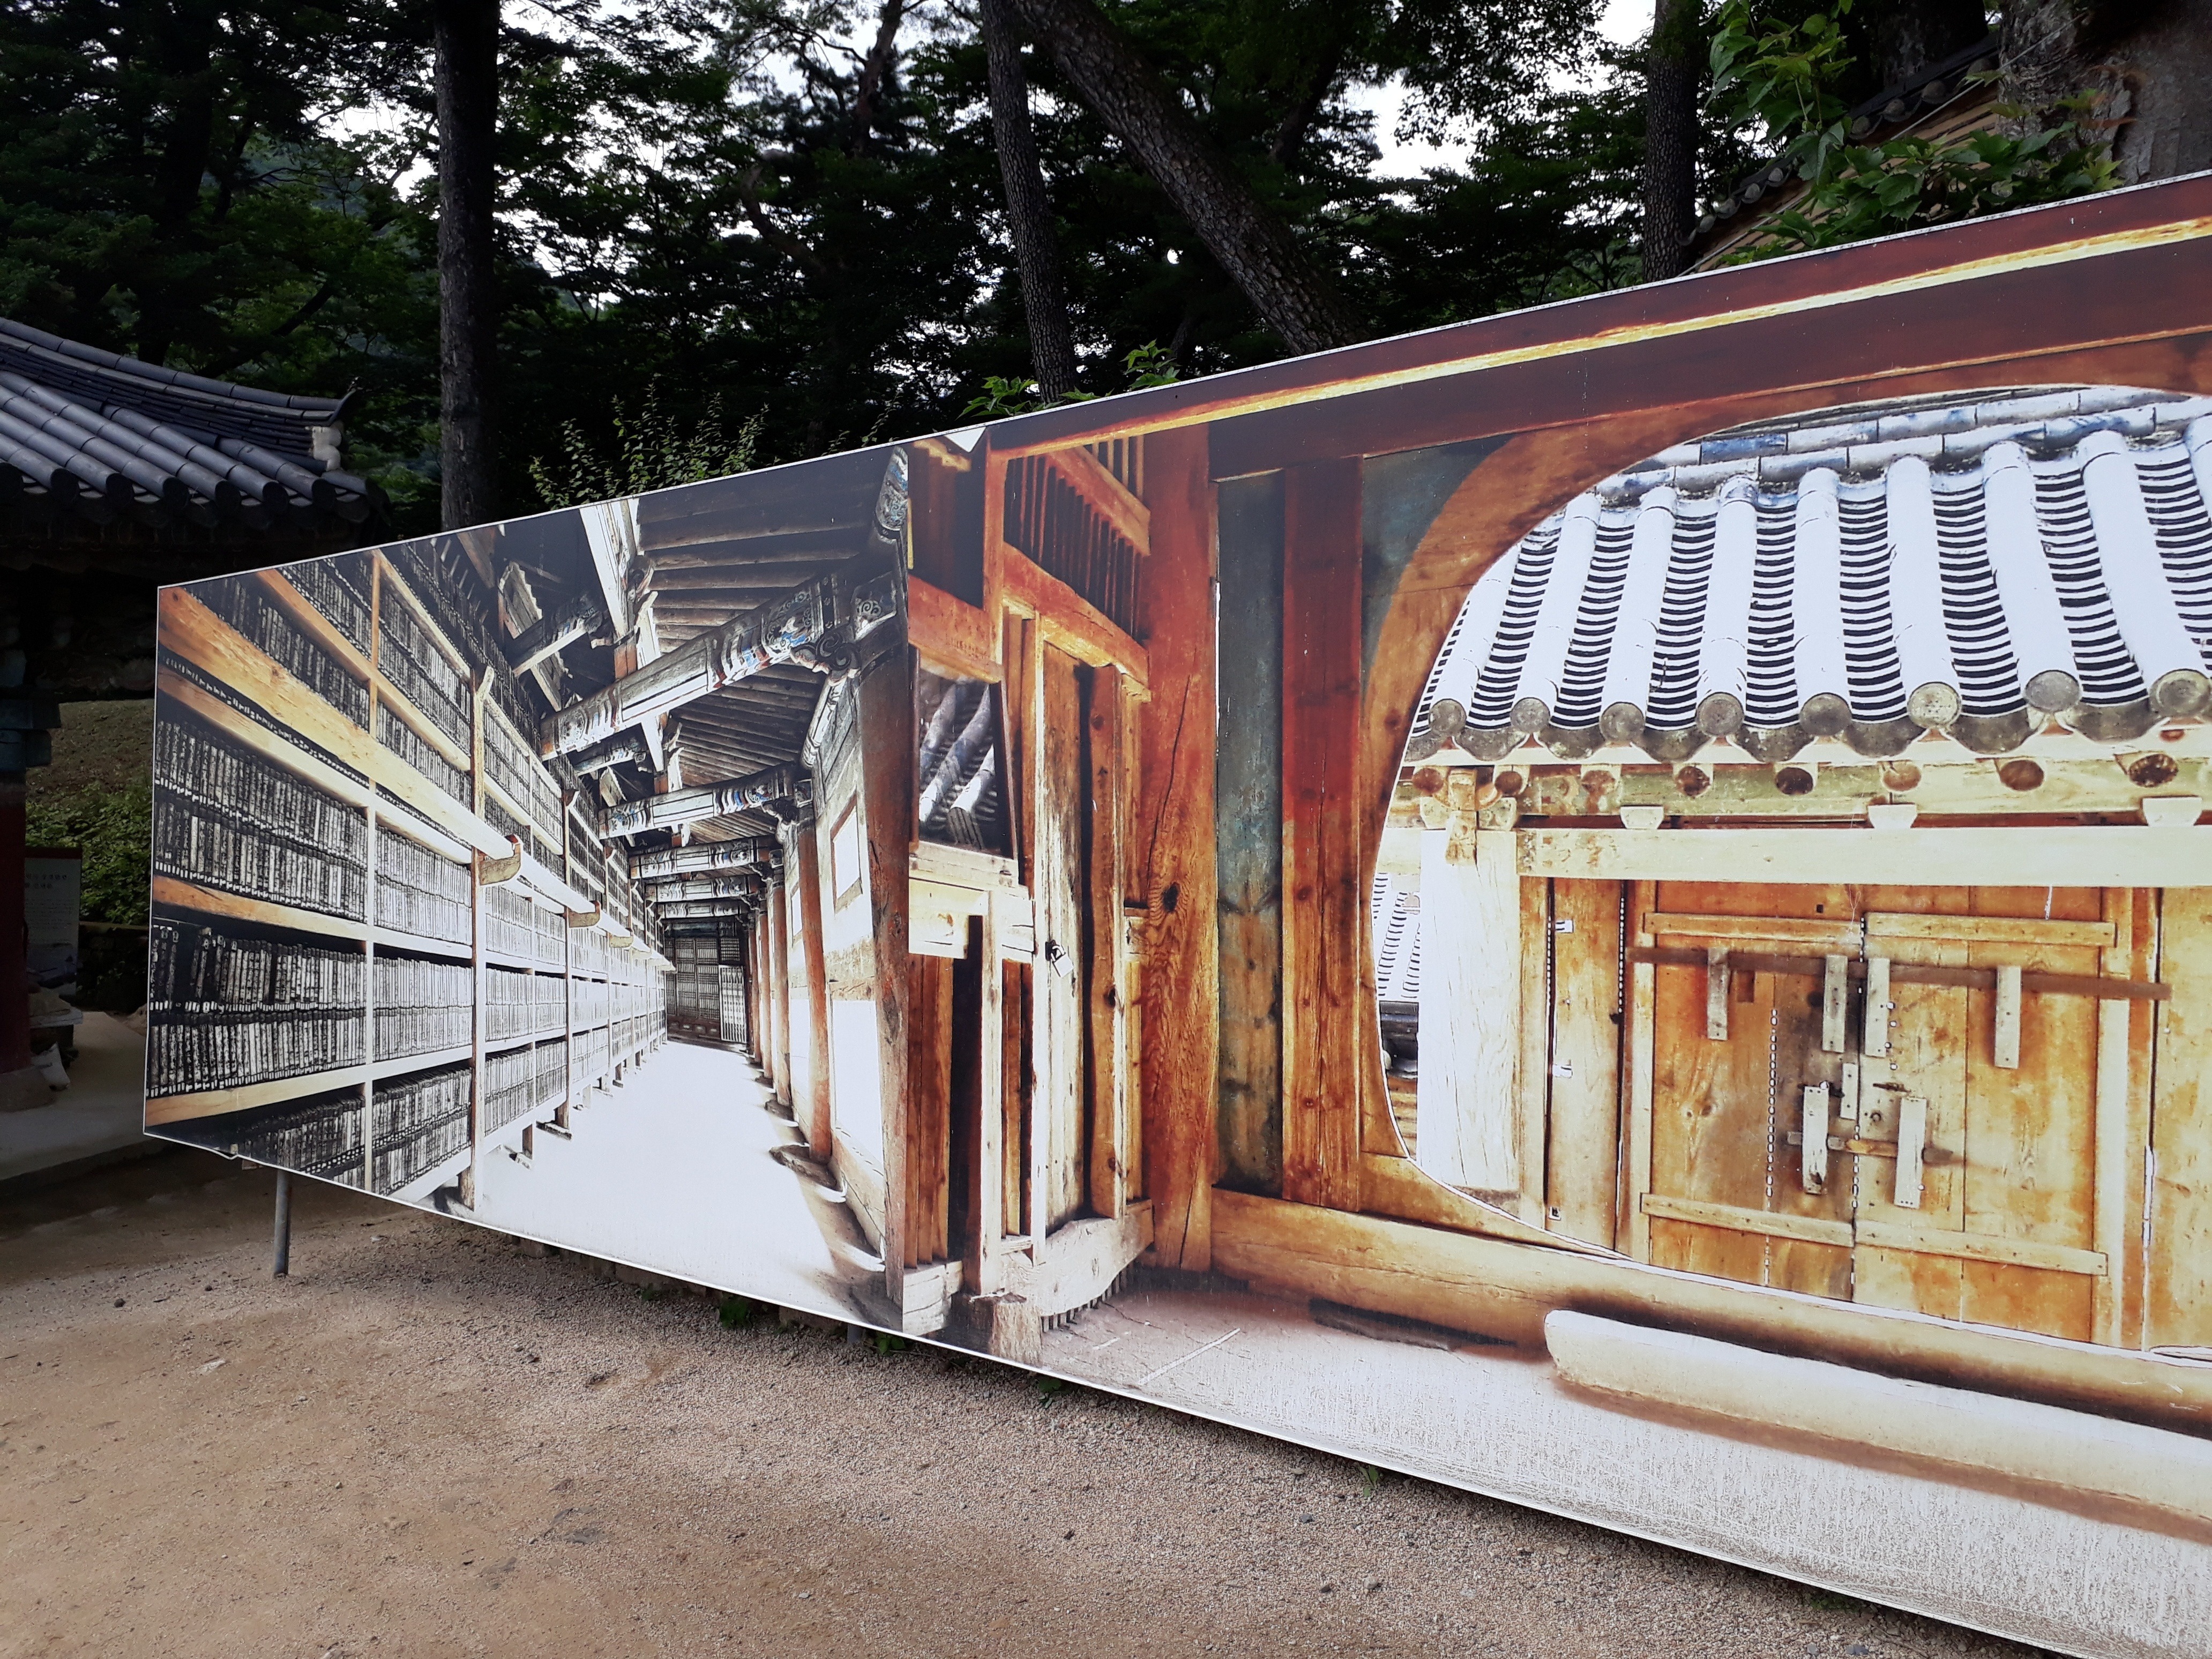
pixel 1505 1291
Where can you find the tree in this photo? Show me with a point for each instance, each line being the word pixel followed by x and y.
pixel 1029 210
pixel 467 82
pixel 1291 294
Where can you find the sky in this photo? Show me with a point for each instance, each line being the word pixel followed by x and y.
pixel 1625 22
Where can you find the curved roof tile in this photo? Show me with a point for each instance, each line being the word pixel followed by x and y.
pixel 100 434
pixel 1871 574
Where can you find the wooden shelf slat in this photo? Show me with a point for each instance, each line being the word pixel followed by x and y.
pixel 213 1103
pixel 266 912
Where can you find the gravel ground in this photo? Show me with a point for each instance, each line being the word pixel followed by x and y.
pixel 427 1441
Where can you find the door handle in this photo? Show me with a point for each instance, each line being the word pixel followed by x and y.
pixel 1911 1145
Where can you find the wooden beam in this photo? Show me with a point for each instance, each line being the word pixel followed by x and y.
pixel 953 637
pixel 1070 621
pixel 1323 912
pixel 2108 855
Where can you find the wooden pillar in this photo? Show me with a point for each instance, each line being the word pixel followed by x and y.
pixel 1172 833
pixel 779 946
pixel 1323 916
pixel 887 803
pixel 813 1112
pixel 21 1083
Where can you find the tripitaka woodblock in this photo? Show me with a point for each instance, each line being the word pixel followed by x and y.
pixel 1609 905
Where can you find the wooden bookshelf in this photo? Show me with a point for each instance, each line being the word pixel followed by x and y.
pixel 349 765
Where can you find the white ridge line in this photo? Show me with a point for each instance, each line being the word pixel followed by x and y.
pixel 1193 1354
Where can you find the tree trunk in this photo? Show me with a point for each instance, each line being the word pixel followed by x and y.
pixel 1029 210
pixel 1293 296
pixel 1670 137
pixel 2148 66
pixel 875 72
pixel 1903 37
pixel 467 75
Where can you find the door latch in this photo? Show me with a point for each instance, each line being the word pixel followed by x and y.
pixel 1813 1141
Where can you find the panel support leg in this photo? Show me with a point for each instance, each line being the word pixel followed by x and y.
pixel 280 1266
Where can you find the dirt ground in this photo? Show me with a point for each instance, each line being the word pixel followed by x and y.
pixel 426 1441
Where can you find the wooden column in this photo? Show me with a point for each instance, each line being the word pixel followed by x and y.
pixel 780 992
pixel 1172 833
pixel 1324 915
pixel 21 1084
pixel 814 1111
pixel 887 796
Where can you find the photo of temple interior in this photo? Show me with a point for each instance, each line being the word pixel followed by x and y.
pixel 1609 905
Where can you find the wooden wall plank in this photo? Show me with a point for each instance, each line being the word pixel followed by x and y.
pixel 2178 1293
pixel 1467 1130
pixel 1248 818
pixel 1172 856
pixel 1057 885
pixel 1105 766
pixel 1533 1006
pixel 1583 1159
pixel 928 1108
pixel 1324 909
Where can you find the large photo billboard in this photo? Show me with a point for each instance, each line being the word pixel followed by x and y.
pixel 1606 905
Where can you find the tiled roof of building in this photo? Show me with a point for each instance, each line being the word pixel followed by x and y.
pixel 1944 99
pixel 1977 568
pixel 102 435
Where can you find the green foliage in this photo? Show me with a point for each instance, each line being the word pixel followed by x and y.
pixel 115 829
pixel 1148 365
pixel 1370 1480
pixel 1875 191
pixel 1048 1388
pixel 651 451
pixel 1788 80
pixel 1786 77
pixel 736 1313
pixel 886 1343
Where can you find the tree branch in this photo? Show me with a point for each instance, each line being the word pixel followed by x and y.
pixel 1292 295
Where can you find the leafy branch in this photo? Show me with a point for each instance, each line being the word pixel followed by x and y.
pixel 1784 78
pixel 652 451
pixel 1149 365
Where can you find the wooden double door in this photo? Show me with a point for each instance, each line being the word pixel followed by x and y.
pixel 1909 1098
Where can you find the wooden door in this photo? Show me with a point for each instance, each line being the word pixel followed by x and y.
pixel 1057 1141
pixel 1998 1226
pixel 1851 1094
pixel 1732 1050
